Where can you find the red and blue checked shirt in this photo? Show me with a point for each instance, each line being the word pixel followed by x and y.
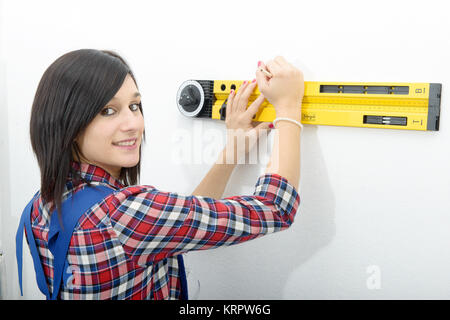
pixel 125 247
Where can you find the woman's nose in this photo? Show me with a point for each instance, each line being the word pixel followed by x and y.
pixel 131 121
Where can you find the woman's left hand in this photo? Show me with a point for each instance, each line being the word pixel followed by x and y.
pixel 242 132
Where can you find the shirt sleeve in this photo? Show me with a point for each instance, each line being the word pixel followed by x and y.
pixel 153 225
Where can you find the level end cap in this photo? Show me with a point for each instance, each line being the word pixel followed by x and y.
pixel 190 98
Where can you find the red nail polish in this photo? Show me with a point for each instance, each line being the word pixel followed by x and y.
pixel 243 83
pixel 254 80
pixel 259 63
pixel 271 126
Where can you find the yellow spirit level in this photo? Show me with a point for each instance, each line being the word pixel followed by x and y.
pixel 410 106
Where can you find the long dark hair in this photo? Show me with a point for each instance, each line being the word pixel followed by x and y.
pixel 72 91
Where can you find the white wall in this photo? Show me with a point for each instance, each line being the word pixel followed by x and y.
pixel 375 202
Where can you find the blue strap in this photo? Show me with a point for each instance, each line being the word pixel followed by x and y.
pixel 184 287
pixel 59 239
pixel 25 222
pixel 59 236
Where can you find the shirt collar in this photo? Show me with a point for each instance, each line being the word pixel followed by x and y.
pixel 93 173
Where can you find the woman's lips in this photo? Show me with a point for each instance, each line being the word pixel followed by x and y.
pixel 125 144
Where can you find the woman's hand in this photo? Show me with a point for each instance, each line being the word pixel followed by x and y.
pixel 242 132
pixel 285 89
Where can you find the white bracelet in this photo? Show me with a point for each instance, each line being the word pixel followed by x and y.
pixel 287 119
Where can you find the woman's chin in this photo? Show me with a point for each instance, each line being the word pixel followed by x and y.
pixel 129 163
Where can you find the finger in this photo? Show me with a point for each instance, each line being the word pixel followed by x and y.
pixel 285 65
pixel 254 107
pixel 239 94
pixel 230 101
pixel 273 67
pixel 243 100
pixel 280 60
pixel 261 79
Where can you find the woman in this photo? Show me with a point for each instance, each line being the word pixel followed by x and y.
pixel 86 130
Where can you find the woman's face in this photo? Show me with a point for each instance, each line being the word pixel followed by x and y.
pixel 113 138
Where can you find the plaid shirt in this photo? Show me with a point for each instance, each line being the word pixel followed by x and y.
pixel 125 247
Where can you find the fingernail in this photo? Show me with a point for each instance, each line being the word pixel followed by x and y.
pixel 232 91
pixel 259 63
pixel 271 126
pixel 254 80
pixel 244 82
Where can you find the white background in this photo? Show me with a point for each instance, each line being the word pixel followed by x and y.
pixel 375 203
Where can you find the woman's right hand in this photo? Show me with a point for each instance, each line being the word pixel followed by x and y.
pixel 285 89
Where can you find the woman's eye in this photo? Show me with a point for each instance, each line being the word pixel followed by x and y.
pixel 107 112
pixel 110 111
pixel 135 106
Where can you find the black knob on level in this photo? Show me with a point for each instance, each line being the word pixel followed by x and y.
pixel 190 98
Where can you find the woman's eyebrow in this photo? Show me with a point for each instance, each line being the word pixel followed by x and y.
pixel 135 95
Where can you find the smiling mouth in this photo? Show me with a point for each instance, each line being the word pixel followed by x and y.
pixel 128 143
